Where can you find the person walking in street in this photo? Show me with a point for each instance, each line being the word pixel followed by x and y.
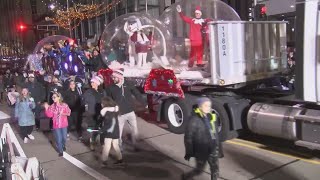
pixel 110 130
pixel 121 92
pixel 201 140
pixel 73 99
pixel 92 102
pixel 8 79
pixel 24 114
pixel 18 81
pixel 37 91
pixel 59 113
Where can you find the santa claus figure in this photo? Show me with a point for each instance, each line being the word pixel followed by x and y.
pixel 197 33
pixel 139 42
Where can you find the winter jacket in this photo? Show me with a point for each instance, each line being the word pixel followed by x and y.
pixel 40 79
pixel 19 80
pixel 59 114
pixel 37 91
pixel 123 96
pixel 92 101
pixel 200 140
pixel 8 80
pixel 2 88
pixel 73 99
pixel 24 113
pixel 110 124
pixel 97 63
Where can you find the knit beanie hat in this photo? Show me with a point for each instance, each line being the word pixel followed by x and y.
pixel 97 79
pixel 198 10
pixel 118 73
pixel 56 73
pixel 202 100
pixel 30 75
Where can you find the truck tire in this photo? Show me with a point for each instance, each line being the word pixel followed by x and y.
pixel 223 119
pixel 176 113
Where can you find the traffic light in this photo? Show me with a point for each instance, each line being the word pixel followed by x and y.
pixel 22 27
pixel 260 12
pixel 263 10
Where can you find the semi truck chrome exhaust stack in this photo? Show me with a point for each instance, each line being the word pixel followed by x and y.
pixel 273 120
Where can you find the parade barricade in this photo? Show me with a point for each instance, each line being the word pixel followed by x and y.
pixel 14 164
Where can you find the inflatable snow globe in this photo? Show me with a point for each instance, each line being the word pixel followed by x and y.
pixel 187 21
pixel 137 43
pixel 50 41
pixel 57 55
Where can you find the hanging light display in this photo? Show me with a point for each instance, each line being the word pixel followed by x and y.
pixel 72 17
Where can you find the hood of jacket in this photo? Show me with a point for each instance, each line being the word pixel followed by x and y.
pixel 109 109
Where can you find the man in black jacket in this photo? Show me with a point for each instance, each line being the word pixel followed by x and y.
pixel 38 93
pixel 72 97
pixel 202 141
pixel 121 92
pixel 92 102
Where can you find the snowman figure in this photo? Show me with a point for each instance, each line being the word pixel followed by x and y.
pixel 139 42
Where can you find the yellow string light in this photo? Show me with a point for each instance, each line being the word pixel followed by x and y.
pixel 72 17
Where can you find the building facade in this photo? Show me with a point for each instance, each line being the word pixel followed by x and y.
pixel 89 28
pixel 32 13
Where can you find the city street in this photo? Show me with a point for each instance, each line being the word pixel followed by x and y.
pixel 166 75
pixel 161 157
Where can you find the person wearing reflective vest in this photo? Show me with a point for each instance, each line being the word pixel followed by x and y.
pixel 201 140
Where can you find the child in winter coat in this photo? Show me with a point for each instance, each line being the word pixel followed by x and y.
pixel 201 140
pixel 23 112
pixel 59 113
pixel 110 130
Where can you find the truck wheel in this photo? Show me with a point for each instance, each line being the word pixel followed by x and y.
pixel 176 113
pixel 223 120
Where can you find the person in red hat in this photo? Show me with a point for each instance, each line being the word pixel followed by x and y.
pixel 198 25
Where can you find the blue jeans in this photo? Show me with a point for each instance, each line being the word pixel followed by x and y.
pixel 61 138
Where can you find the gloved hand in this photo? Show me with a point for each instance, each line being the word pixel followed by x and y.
pixel 178 8
pixel 187 157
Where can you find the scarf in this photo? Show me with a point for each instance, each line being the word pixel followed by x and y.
pixel 198 21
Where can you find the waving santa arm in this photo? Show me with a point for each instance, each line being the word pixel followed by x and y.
pixel 183 17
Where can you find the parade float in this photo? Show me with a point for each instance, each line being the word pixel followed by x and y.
pixel 57 54
pixel 209 52
pixel 162 55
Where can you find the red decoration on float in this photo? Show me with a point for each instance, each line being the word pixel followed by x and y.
pixel 107 76
pixel 163 82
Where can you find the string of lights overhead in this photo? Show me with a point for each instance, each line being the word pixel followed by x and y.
pixel 52 4
pixel 72 17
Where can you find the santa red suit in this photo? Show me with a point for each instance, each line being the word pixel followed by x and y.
pixel 197 26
